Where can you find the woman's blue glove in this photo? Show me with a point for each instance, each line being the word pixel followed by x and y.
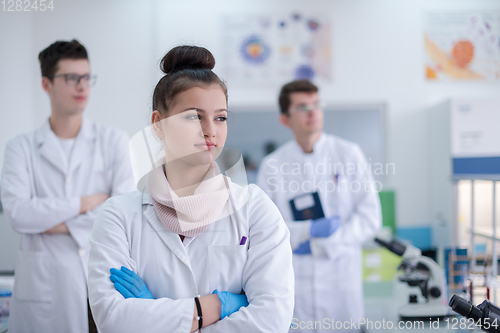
pixel 324 227
pixel 230 303
pixel 129 284
pixel 303 248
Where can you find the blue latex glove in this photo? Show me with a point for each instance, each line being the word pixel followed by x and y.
pixel 230 303
pixel 324 227
pixel 303 248
pixel 129 284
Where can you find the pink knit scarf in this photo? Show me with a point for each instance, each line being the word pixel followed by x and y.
pixel 190 215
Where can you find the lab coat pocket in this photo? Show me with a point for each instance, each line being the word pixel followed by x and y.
pixel 33 277
pixel 226 264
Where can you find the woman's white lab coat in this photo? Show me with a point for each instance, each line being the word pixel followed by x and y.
pixel 328 282
pixel 127 232
pixel 40 190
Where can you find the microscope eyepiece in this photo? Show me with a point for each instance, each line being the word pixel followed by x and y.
pixel 393 246
pixel 465 308
pixel 486 315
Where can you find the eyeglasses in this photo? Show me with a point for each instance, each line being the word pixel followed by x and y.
pixel 73 80
pixel 306 108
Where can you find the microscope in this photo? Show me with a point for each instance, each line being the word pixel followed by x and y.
pixel 486 315
pixel 427 297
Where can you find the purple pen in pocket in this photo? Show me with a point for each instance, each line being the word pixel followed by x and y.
pixel 243 240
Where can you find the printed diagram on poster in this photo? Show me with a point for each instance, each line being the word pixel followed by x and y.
pixel 462 45
pixel 274 49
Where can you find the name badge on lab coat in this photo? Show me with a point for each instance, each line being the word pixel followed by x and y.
pixel 307 207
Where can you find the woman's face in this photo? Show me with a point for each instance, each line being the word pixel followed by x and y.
pixel 195 128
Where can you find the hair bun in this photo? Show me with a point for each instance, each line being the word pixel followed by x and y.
pixel 182 57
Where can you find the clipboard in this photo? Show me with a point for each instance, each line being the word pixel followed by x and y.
pixel 307 207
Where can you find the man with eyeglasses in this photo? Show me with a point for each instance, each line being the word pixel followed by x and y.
pixel 53 182
pixel 324 189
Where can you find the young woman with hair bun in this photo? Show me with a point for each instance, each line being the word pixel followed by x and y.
pixel 192 250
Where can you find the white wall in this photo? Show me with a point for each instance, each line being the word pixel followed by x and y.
pixel 377 51
pixel 17 74
pixel 16 105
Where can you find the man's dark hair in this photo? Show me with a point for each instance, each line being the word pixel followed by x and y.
pixel 293 87
pixel 60 50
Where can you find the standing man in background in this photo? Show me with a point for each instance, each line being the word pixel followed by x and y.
pixel 324 189
pixel 53 181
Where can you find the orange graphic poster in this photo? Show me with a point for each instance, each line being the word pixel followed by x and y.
pixel 462 46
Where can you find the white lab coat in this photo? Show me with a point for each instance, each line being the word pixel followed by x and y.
pixel 328 282
pixel 39 191
pixel 127 232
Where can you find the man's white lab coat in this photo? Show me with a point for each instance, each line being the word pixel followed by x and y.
pixel 40 190
pixel 329 281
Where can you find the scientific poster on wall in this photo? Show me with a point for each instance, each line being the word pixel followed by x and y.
pixel 474 128
pixel 462 45
pixel 272 49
